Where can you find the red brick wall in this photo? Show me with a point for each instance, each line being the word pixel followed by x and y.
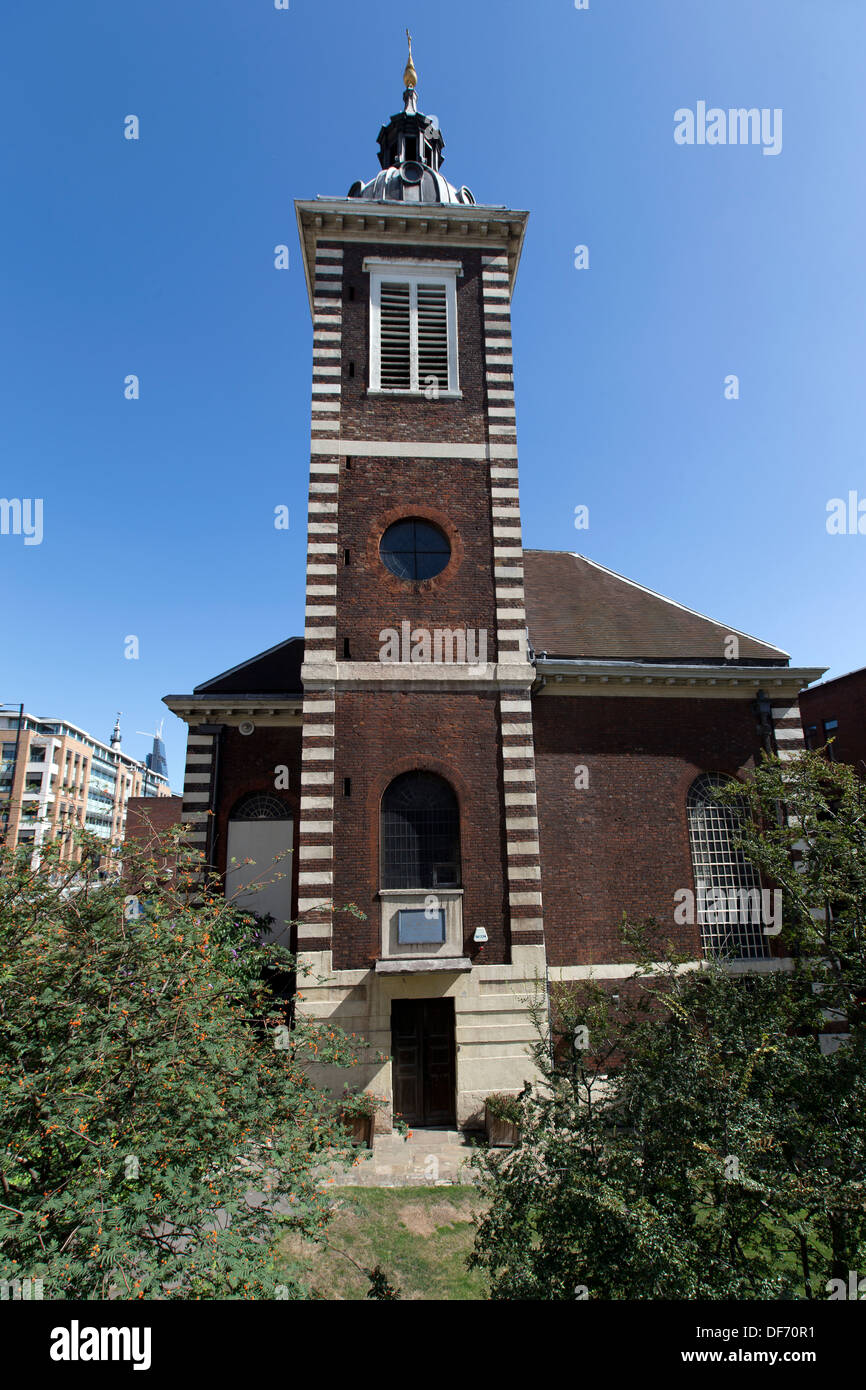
pixel 843 699
pixel 380 734
pixel 146 818
pixel 370 599
pixel 374 492
pixel 146 814
pixel 376 417
pixel 622 844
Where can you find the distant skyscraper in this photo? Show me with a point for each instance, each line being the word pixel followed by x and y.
pixel 156 760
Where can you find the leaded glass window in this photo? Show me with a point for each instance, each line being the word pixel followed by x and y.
pixel 727 886
pixel 414 549
pixel 420 833
pixel 261 806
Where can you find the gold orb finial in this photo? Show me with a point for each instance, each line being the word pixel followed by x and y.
pixel 410 76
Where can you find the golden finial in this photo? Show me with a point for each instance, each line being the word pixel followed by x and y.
pixel 410 76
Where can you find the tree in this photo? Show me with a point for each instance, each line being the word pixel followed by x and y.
pixel 150 1076
pixel 698 1135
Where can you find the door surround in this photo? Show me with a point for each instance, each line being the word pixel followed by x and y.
pixel 424 1061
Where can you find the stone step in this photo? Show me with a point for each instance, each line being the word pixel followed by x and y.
pixel 431 1138
pixel 429 1158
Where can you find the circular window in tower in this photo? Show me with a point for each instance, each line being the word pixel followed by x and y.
pixel 414 549
pixel 411 171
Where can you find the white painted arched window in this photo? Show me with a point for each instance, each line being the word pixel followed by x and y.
pixel 728 898
pixel 259 860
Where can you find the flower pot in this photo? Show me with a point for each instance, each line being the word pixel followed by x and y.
pixel 501 1134
pixel 360 1128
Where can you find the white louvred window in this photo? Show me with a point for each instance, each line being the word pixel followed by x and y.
pixel 413 329
pixel 396 337
pixel 432 332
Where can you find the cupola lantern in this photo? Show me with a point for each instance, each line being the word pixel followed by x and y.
pixel 411 155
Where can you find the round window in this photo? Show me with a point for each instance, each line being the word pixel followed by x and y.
pixel 414 549
pixel 412 171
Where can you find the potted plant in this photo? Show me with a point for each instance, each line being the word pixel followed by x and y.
pixel 357 1113
pixel 502 1119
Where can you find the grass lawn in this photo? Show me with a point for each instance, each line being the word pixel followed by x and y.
pixel 420 1236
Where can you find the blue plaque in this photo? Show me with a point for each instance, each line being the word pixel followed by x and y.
pixel 420 926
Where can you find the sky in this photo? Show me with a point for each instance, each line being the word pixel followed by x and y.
pixel 155 257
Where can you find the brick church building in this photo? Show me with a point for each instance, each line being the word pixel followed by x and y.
pixel 493 752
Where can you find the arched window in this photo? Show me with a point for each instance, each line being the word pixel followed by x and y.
pixel 261 806
pixel 727 886
pixel 259 859
pixel 420 833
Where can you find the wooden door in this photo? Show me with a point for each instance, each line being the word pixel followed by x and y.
pixel 422 1035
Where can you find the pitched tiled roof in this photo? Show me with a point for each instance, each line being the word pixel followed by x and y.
pixel 274 672
pixel 576 608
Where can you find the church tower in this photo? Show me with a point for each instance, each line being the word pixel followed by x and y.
pixel 418 797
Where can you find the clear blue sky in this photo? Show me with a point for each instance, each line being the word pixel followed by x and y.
pixel 155 257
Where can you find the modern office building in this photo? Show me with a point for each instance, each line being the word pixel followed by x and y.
pixel 54 776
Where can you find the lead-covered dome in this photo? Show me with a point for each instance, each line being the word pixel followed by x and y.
pixel 410 182
pixel 411 154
